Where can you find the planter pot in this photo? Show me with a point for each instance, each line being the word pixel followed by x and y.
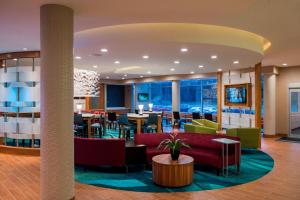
pixel 175 154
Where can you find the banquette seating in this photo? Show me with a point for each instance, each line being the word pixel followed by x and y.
pixel 203 149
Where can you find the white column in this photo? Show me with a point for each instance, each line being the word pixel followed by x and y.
pixel 270 104
pixel 175 96
pixel 57 148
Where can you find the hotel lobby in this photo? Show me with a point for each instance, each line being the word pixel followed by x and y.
pixel 149 100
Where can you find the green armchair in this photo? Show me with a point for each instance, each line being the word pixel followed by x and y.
pixel 250 137
pixel 201 126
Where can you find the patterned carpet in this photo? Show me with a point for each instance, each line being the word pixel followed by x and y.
pixel 254 165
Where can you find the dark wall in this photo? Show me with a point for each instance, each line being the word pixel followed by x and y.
pixel 115 96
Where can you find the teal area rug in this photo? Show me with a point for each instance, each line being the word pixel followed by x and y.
pixel 254 165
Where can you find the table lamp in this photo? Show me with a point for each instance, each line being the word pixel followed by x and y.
pixel 79 107
pixel 141 107
pixel 150 107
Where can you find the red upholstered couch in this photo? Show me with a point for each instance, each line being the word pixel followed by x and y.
pixel 203 149
pixel 99 152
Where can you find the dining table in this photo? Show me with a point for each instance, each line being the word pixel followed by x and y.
pixel 89 117
pixel 140 119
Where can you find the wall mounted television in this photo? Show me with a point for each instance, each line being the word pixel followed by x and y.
pixel 238 95
pixel 143 97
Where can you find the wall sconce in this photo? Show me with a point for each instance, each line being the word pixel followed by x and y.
pixel 141 107
pixel 150 107
pixel 79 108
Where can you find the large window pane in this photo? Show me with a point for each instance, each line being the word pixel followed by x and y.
pixel 198 95
pixel 294 102
pixel 158 93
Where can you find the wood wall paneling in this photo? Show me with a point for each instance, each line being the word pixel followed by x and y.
pixel 102 96
pixel 258 97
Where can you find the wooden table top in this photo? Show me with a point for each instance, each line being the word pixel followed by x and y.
pixel 165 159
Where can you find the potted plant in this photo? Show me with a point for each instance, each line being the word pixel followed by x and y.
pixel 174 144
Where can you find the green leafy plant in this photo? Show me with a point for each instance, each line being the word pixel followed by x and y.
pixel 173 143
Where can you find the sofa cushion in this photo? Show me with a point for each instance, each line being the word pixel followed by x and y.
pixel 150 139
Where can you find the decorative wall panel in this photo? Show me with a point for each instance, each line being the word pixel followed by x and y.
pixel 86 83
pixel 238 117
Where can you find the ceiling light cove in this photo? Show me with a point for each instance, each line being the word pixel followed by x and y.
pixel 184 50
pixel 126 69
pixel 117 62
pixel 200 66
pixel 176 62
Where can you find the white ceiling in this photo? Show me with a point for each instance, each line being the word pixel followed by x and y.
pixel 276 20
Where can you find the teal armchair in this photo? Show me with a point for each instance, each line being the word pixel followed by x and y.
pixel 201 126
pixel 249 137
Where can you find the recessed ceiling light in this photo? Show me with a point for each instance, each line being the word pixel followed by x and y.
pixel 176 62
pixel 219 70
pixel 141 76
pixel 103 50
pixel 284 64
pixel 123 78
pixel 125 75
pixel 148 72
pixel 214 57
pixel 107 77
pixel 15 59
pixel 24 49
pixel 236 62
pixel 200 66
pixel 77 57
pixel 117 62
pixel 95 66
pixel 145 56
pixel 192 72
pixel 184 50
pixel 172 69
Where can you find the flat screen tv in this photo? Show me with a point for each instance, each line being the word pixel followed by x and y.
pixel 238 95
pixel 143 97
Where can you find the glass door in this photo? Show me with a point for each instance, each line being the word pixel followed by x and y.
pixel 294 113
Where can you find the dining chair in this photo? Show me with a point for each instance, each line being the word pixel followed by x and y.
pixel 208 116
pixel 79 126
pixel 196 115
pixel 151 124
pixel 112 120
pixel 125 126
pixel 177 119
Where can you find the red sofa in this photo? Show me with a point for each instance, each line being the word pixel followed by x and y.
pixel 99 152
pixel 203 149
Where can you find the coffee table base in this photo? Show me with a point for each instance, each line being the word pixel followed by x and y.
pixel 172 175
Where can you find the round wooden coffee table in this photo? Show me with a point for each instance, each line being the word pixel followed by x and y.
pixel 169 173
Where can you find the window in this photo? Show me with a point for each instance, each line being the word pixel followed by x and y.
pixel 198 95
pixel 294 102
pixel 158 93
